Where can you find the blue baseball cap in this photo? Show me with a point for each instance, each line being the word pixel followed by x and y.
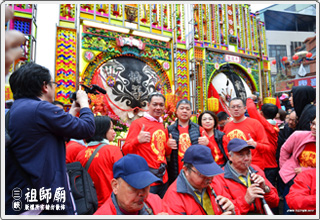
pixel 134 170
pixel 236 145
pixel 200 157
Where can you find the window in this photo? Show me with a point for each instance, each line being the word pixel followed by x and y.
pixel 278 51
pixel 294 45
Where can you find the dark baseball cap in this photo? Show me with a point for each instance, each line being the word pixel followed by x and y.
pixel 236 145
pixel 200 157
pixel 134 170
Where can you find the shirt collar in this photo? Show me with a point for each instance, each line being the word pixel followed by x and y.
pixel 149 117
pixel 93 143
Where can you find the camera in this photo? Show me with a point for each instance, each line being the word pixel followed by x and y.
pixel 93 90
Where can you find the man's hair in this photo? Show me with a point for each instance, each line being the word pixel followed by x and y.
pixel 188 165
pixel 155 94
pixel 222 116
pixel 102 127
pixel 55 102
pixel 238 98
pixel 183 101
pixel 269 110
pixel 27 81
pixel 215 118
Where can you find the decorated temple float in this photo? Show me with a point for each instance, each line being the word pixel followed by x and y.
pixel 207 53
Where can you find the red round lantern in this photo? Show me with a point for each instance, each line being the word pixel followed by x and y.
pixel 273 62
pixel 284 58
pixel 309 55
pixel 295 57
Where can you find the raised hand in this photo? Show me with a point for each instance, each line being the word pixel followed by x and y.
pixel 172 143
pixel 226 205
pixel 259 180
pixel 251 141
pixel 144 136
pixel 253 192
pixel 13 40
pixel 203 140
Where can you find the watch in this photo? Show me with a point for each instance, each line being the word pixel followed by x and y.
pixel 267 189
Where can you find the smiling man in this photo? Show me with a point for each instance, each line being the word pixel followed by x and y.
pixel 147 138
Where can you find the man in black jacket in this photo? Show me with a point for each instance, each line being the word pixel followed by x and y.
pixel 182 134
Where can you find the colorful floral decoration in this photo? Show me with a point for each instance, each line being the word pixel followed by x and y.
pixel 166 66
pixel 88 56
pixel 182 73
pixel 110 81
pixel 65 72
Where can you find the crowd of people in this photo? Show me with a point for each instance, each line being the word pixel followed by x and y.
pixel 238 164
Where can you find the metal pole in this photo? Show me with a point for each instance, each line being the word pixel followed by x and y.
pixel 78 44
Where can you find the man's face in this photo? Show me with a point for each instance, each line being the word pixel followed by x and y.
pixel 222 123
pixel 237 109
pixel 292 121
pixel 51 87
pixel 129 198
pixel 196 179
pixel 183 112
pixel 241 160
pixel 156 106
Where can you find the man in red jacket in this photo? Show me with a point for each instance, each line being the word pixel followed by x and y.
pixel 246 189
pixel 247 129
pixel 147 138
pixel 302 195
pixel 130 186
pixel 194 192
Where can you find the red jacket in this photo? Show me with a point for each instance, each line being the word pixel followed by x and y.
pixel 302 194
pixel 242 130
pixel 100 169
pixel 153 201
pixel 72 150
pixel 237 190
pixel 182 201
pixel 154 152
pixel 272 132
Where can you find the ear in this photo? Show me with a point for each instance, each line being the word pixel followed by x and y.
pixel 115 186
pixel 185 169
pixel 45 88
pixel 229 156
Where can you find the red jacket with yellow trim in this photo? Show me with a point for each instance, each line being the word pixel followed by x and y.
pixel 182 200
pixel 237 190
pixel 302 194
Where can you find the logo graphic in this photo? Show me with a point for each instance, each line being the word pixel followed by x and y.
pixel 16 195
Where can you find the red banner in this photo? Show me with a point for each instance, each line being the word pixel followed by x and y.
pixel 286 85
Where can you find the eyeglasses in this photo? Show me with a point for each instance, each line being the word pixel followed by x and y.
pixel 236 106
pixel 199 174
pixel 53 83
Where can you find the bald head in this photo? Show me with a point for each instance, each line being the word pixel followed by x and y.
pixel 292 122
